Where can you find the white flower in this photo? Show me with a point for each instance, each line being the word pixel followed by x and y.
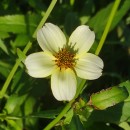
pixel 64 60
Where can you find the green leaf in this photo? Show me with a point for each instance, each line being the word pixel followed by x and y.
pixel 4 35
pixel 4 68
pixel 50 114
pixel 98 22
pixel 19 23
pixel 21 40
pixel 125 125
pixel 21 55
pixel 68 116
pixel 3 126
pixel 116 114
pixel 127 85
pixel 13 102
pixel 109 97
pixel 13 125
pixel 125 6
pixel 30 102
pixel 3 47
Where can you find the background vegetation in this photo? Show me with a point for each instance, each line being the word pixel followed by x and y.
pixel 28 103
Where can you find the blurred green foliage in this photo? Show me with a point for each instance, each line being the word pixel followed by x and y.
pixel 28 103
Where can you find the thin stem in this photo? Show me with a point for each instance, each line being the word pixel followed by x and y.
pixel 18 61
pixel 111 16
pixel 81 85
pixel 46 16
pixel 2 92
pixel 66 108
pixel 6 84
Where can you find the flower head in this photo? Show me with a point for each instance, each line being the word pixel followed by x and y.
pixel 64 60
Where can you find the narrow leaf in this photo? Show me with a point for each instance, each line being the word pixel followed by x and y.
pixel 3 47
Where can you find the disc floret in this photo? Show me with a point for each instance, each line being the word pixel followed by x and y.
pixel 65 59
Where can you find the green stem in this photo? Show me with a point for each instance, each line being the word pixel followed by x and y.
pixel 46 16
pixel 6 84
pixel 107 28
pixel 66 108
pixel 18 61
pixel 80 88
pixel 81 85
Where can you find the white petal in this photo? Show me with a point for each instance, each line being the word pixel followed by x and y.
pixel 40 64
pixel 51 38
pixel 82 39
pixel 63 84
pixel 89 66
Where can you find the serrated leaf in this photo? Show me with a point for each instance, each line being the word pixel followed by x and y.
pixel 117 114
pixel 109 97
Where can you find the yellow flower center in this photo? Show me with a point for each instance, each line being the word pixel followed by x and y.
pixel 65 59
